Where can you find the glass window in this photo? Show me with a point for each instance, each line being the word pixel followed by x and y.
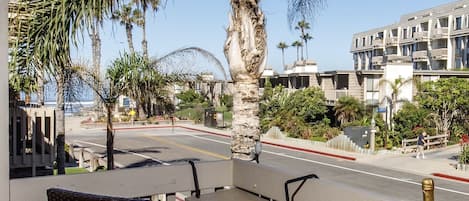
pixel 363 41
pixel 342 82
pixel 404 33
pixel 458 23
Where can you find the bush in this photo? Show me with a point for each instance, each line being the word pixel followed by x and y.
pixel 196 114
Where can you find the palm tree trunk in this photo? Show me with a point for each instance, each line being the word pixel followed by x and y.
pixel 60 122
pixel 40 87
pixel 246 52
pixel 109 138
pixel 96 45
pixel 306 49
pixel 283 59
pixel 298 53
pixel 302 57
pixel 144 36
pixel 128 30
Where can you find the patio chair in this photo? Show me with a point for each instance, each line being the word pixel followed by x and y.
pixel 56 194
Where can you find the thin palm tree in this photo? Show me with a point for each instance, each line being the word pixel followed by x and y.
pixel 246 52
pixel 302 25
pixel 306 38
pixel 348 109
pixel 392 99
pixel 54 28
pixel 154 5
pixel 127 16
pixel 283 46
pixel 298 45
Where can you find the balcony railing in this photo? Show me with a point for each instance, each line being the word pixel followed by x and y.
pixel 440 54
pixel 397 58
pixel 421 36
pixel 377 60
pixel 421 55
pixel 440 33
pixel 378 43
pixel 262 180
pixel 391 41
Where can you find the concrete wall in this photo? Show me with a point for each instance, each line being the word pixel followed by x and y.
pixel 327 86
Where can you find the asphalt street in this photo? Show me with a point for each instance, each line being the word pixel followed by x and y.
pixel 166 146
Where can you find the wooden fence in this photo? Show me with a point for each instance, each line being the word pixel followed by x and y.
pixel 430 142
pixel 32 137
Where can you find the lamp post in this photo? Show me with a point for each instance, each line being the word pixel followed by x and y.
pixel 373 131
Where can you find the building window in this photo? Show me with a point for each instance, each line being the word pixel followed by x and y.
pixel 380 35
pixel 404 33
pixel 342 82
pixel 356 42
pixel 414 29
pixel 405 51
pixel 363 41
pixel 371 40
pixel 372 90
pixel 394 32
pixel 424 26
pixel 443 22
pixel 458 24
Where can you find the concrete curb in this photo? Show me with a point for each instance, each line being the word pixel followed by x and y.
pixel 451 177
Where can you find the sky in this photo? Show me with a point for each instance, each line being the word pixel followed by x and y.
pixel 202 23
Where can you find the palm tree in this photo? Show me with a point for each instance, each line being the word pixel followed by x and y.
pixel 395 86
pixel 127 17
pixel 144 5
pixel 246 52
pixel 283 46
pixel 348 109
pixel 302 26
pixel 53 28
pixel 306 38
pixel 298 45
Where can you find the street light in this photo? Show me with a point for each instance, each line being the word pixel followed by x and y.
pixel 373 131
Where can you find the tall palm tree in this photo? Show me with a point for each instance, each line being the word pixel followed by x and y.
pixel 348 109
pixel 298 45
pixel 246 52
pixel 306 38
pixel 54 28
pixel 302 26
pixel 154 5
pixel 127 16
pixel 283 46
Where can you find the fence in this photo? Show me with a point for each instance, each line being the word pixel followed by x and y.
pixel 430 141
pixel 32 137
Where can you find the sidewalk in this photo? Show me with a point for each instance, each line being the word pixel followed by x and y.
pixel 439 163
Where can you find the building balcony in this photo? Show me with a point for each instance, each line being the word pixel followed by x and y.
pixel 394 58
pixel 246 181
pixel 377 60
pixel 440 33
pixel 392 41
pixel 407 40
pixel 439 54
pixel 378 43
pixel 421 55
pixel 421 36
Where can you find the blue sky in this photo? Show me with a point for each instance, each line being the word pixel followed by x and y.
pixel 202 23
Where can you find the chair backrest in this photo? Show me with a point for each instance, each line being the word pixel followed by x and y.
pixel 56 194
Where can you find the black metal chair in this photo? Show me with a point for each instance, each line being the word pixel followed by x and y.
pixel 56 194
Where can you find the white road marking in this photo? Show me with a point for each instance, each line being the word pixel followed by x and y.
pixel 125 151
pixel 336 166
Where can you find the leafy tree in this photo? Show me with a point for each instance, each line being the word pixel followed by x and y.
pixel 408 118
pixel 308 103
pixel 190 98
pixel 53 27
pixel 446 99
pixel 348 109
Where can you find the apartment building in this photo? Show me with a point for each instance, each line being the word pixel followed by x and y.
pixel 431 39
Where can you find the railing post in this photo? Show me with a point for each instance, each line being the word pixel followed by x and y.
pixel 4 148
pixel 428 189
